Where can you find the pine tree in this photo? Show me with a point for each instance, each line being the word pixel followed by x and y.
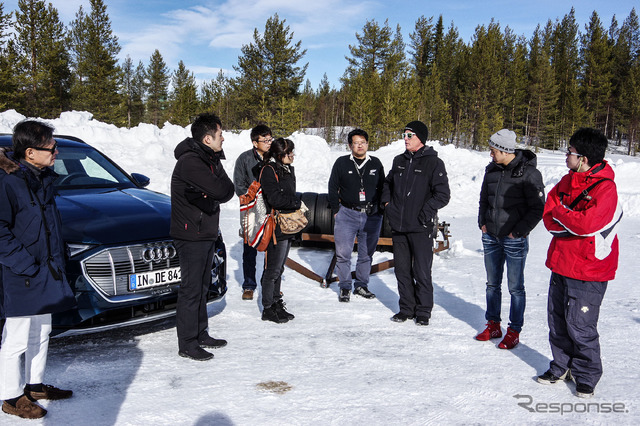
pixel 132 90
pixel 94 50
pixel 215 95
pixel 542 90
pixel 566 64
pixel 158 88
pixel 628 113
pixel 268 66
pixel 183 99
pixel 596 76
pixel 8 85
pixel 41 61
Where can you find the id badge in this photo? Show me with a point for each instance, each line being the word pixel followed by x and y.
pixel 362 196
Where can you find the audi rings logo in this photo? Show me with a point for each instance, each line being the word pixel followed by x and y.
pixel 158 253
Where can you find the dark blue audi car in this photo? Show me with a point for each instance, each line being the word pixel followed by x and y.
pixel 122 265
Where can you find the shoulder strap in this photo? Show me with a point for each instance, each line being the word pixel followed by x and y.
pixel 585 192
pixel 274 172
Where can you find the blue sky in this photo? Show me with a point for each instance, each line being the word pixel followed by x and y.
pixel 208 34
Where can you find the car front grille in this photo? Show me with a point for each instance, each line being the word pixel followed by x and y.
pixel 108 270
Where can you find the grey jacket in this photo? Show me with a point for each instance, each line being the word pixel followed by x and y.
pixel 242 174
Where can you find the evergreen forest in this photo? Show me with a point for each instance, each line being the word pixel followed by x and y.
pixel 543 85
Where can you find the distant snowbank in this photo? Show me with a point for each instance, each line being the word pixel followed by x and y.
pixel 148 149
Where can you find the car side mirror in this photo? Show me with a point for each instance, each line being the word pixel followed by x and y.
pixel 140 179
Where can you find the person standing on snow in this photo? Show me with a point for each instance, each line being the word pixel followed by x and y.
pixel 278 180
pixel 511 205
pixel 242 179
pixel 415 188
pixel 582 213
pixel 32 279
pixel 198 185
pixel 355 187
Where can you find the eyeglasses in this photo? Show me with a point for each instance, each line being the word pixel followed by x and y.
pixel 574 153
pixel 267 141
pixel 52 150
pixel 359 143
pixel 407 135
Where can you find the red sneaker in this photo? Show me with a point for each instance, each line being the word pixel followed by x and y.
pixel 510 340
pixel 491 332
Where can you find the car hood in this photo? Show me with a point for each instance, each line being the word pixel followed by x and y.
pixel 109 216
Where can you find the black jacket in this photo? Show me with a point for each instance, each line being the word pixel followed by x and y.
pixel 415 188
pixel 512 196
pixel 347 179
pixel 198 185
pixel 279 193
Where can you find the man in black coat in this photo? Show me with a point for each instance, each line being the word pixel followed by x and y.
pixel 198 185
pixel 32 280
pixel 415 188
pixel 511 205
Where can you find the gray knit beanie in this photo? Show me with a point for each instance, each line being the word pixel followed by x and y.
pixel 503 140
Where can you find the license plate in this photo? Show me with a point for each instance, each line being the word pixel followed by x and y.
pixel 154 278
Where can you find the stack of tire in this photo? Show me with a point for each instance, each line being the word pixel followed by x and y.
pixel 321 220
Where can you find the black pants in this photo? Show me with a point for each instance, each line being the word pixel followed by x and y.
pixel 272 276
pixel 249 255
pixel 196 258
pixel 413 256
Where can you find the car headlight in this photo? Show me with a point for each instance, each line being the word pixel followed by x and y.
pixel 76 249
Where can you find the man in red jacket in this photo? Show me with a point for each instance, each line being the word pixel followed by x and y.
pixel 582 213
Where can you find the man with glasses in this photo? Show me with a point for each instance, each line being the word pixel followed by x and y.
pixel 242 178
pixel 355 187
pixel 199 184
pixel 415 188
pixel 511 205
pixel 582 213
pixel 32 279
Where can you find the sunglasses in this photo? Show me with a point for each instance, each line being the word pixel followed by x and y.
pixel 52 150
pixel 574 153
pixel 407 135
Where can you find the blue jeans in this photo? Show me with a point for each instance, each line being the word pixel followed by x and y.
pixel 350 224
pixel 514 252
pixel 249 267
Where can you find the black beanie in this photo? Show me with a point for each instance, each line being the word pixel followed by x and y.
pixel 420 129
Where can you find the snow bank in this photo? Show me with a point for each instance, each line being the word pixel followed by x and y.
pixel 148 149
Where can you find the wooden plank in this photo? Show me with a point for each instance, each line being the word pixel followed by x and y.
pixel 374 268
pixel 303 270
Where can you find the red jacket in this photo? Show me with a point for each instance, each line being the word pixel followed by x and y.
pixel 585 242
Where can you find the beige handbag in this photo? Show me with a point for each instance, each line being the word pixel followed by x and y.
pixel 292 223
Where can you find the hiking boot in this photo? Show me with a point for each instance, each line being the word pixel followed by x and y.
pixel 210 342
pixel 422 320
pixel 24 408
pixel 247 294
pixel 282 312
pixel 400 317
pixel 584 391
pixel 548 378
pixel 271 314
pixel 196 354
pixel 491 332
pixel 47 392
pixel 510 340
pixel 344 295
pixel 363 291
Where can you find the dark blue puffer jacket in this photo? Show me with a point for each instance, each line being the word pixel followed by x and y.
pixel 28 218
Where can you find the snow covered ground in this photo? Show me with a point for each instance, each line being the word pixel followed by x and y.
pixel 346 363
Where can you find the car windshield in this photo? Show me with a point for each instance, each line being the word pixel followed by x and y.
pixel 86 168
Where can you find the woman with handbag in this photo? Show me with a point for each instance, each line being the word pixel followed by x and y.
pixel 278 182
